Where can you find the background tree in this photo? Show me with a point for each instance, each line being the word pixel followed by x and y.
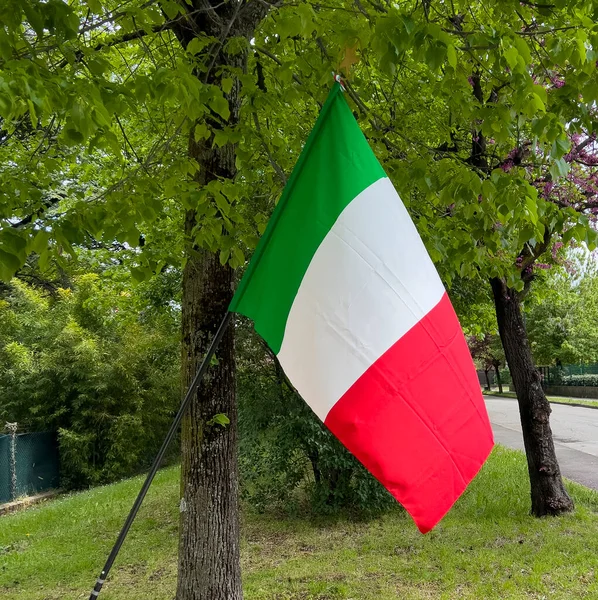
pixel 560 318
pixel 487 353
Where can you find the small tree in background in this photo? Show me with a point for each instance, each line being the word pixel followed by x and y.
pixel 488 354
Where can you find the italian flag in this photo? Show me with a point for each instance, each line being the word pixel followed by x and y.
pixel 344 293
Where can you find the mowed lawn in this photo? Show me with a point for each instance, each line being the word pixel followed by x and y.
pixel 488 547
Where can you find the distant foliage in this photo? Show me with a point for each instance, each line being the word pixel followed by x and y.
pixel 562 320
pixel 98 364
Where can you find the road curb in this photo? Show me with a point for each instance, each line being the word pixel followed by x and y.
pixel 551 401
pixel 11 507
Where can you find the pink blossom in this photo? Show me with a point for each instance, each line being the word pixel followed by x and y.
pixel 558 82
pixel 555 248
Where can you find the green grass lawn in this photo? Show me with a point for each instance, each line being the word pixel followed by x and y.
pixel 555 399
pixel 486 548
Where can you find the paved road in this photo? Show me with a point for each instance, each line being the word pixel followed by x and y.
pixel 575 432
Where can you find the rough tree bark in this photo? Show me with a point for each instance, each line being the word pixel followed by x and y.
pixel 548 493
pixel 209 560
pixel 209 526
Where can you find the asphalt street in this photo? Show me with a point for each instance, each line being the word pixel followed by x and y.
pixel 575 434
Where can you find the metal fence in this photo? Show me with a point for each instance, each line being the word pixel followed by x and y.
pixel 570 375
pixel 28 464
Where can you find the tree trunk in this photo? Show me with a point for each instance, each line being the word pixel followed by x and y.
pixel 498 379
pixel 488 387
pixel 209 558
pixel 548 493
pixel 209 567
pixel 313 459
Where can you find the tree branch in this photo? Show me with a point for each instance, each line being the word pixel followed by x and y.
pixel 49 203
pixel 127 37
pixel 529 256
pixel 273 163
pixel 276 60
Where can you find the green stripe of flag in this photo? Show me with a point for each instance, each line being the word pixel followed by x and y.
pixel 324 181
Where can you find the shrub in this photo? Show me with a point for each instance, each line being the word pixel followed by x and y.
pixel 88 365
pixel 581 380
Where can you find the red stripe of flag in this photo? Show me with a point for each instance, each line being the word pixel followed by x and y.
pixel 423 444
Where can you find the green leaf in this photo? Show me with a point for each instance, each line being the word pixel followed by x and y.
pixel 171 8
pixel 219 419
pixel 227 84
pixel 35 18
pixel 220 138
pixel 532 209
pixel 578 233
pixel 139 274
pixel 538 103
pixel 224 256
pixel 238 257
pixel 9 265
pixel 591 239
pixel 488 189
pixel 97 65
pixel 523 49
pixel 559 168
pixel 73 135
pixel 560 147
pixel 511 56
pixel 95 6
pixel 451 55
pixel 40 241
pixel 219 104
pixel 201 132
pixel 435 55
pixel 198 43
pixel 132 237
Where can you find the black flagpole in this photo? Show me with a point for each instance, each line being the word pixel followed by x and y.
pixel 156 464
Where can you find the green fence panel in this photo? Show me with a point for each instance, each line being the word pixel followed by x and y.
pixel 37 463
pixel 5 492
pixel 575 375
